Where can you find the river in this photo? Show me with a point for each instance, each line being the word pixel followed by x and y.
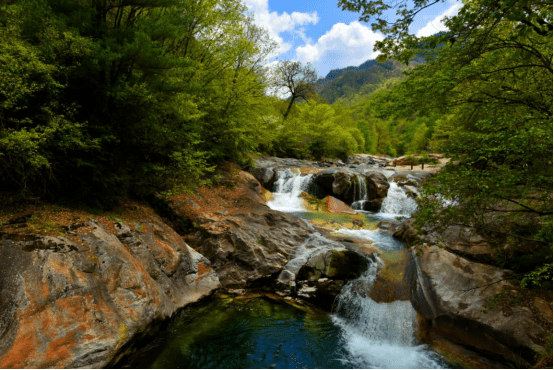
pixel 269 332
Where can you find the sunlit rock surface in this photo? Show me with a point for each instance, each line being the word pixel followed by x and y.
pixel 75 301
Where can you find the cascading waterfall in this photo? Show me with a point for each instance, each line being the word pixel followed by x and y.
pixel 360 193
pixel 373 334
pixel 287 188
pixel 379 335
pixel 398 203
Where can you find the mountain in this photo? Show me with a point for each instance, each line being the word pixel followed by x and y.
pixel 344 82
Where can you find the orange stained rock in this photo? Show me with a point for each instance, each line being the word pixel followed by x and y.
pixel 336 206
pixel 202 269
pixel 58 349
pixel 23 347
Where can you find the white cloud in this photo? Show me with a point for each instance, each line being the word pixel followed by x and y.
pixel 437 24
pixel 278 23
pixel 343 45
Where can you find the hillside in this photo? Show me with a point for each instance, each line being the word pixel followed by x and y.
pixel 341 83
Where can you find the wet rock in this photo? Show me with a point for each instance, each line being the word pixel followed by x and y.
pixel 373 205
pixel 266 176
pixel 344 185
pixel 377 185
pixel 321 278
pixel 389 225
pixel 342 182
pixel 75 302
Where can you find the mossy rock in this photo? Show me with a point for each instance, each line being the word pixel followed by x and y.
pixel 346 265
pixel 268 196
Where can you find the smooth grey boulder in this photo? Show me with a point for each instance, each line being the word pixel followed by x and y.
pixel 455 295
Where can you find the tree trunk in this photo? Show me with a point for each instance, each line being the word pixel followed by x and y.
pixel 289 108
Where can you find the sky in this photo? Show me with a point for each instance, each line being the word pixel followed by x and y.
pixel 317 31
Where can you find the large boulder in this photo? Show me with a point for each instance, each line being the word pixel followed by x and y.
pixel 457 297
pixel 342 185
pixel 248 246
pixel 377 185
pixel 333 205
pixel 74 301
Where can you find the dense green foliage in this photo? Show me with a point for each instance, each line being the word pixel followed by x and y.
pixel 116 97
pixel 314 129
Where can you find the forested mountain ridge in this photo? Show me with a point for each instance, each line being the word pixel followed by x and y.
pixel 363 79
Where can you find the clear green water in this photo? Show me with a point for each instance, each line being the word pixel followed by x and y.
pixel 245 333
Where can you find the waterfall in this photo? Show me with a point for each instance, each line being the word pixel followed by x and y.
pixel 360 193
pixel 398 203
pixel 379 335
pixel 287 191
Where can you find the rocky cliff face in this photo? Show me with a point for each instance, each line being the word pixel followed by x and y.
pixel 75 300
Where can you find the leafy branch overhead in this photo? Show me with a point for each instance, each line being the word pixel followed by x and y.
pixel 474 16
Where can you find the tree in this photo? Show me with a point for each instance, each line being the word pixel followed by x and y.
pixel 294 79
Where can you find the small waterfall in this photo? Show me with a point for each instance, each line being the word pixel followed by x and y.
pixel 360 193
pixel 398 203
pixel 287 191
pixel 379 335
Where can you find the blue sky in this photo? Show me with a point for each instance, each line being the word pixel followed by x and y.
pixel 317 31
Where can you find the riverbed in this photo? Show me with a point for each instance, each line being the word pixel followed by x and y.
pixel 228 331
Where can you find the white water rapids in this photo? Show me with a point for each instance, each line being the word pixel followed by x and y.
pixel 375 335
pixel 397 203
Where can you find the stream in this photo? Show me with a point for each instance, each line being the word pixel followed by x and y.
pixel 264 332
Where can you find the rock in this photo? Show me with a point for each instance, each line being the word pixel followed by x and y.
pixel 336 206
pixel 321 278
pixel 343 265
pixel 456 239
pixel 412 191
pixel 543 309
pixel 342 182
pixel 389 225
pixel 455 295
pixel 266 176
pixel 249 246
pixel 377 185
pixel 367 160
pixel 373 205
pixel 76 301
pixel 343 185
pixel 460 357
